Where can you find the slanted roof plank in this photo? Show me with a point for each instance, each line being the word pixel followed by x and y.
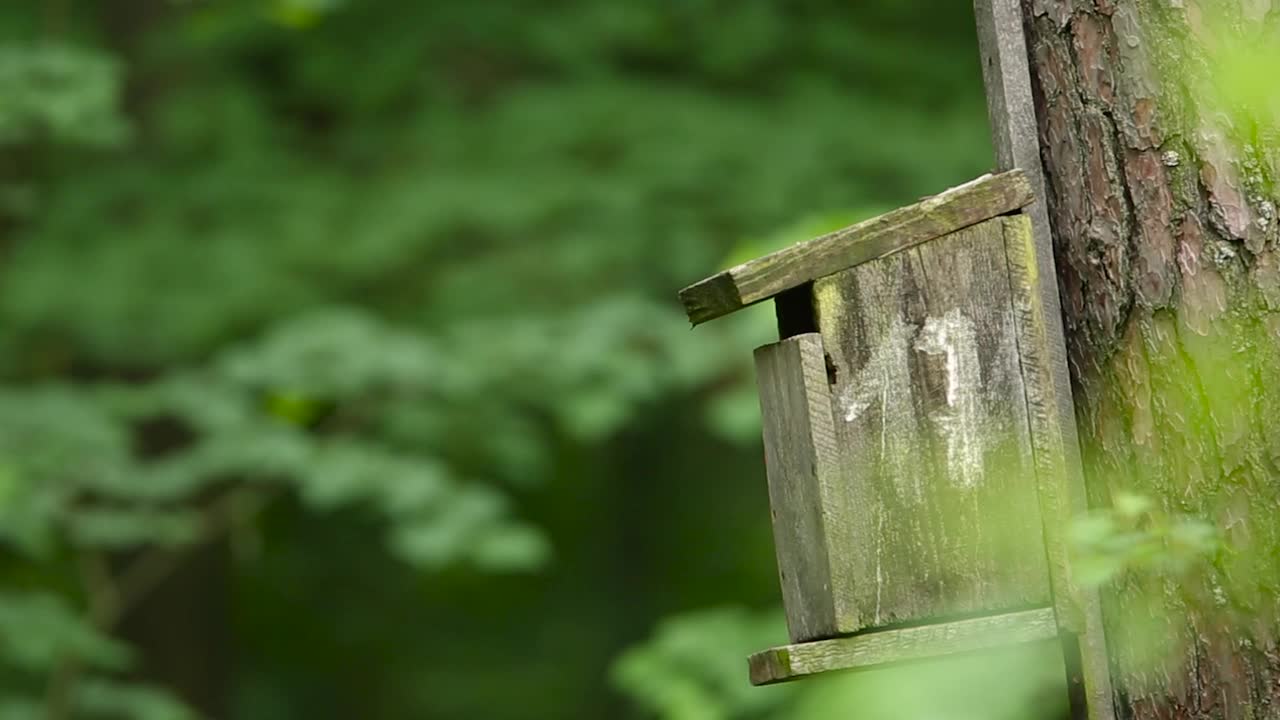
pixel 760 279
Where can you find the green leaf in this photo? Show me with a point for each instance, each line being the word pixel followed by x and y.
pixel 120 528
pixel 13 708
pixel 334 354
pixel 39 630
pixel 1131 505
pixel 512 548
pixel 691 668
pixel 99 697
pixel 68 94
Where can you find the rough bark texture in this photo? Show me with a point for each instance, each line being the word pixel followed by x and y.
pixel 1162 198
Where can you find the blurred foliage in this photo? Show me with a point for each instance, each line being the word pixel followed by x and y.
pixel 692 668
pixel 378 296
pixel 1134 535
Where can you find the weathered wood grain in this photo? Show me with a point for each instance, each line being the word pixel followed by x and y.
pixel 934 512
pixel 765 277
pixel 1062 490
pixel 877 649
pixel 801 460
pixel 1010 105
pixel 1016 141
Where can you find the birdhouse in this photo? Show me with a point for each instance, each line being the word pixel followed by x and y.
pixel 913 456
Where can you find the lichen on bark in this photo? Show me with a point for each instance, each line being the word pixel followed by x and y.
pixel 1161 153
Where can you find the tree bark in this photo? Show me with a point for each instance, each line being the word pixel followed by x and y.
pixel 1160 176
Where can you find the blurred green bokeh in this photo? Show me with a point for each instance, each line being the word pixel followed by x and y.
pixel 341 373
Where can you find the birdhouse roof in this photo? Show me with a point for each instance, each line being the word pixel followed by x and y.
pixel 804 262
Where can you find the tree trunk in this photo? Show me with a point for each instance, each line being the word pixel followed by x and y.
pixel 1160 155
pixel 182 631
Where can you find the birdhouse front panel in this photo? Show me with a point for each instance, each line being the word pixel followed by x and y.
pixel 938 511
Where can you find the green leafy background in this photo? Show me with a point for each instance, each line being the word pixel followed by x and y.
pixel 341 373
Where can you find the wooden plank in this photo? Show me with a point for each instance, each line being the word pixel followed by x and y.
pixel 878 649
pixel 1010 105
pixel 1062 491
pixel 765 277
pixel 935 510
pixel 801 458
pixel 1015 138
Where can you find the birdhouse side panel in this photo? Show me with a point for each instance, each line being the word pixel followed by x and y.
pixel 800 450
pixel 933 510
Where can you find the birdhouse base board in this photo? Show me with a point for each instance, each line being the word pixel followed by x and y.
pixel 886 647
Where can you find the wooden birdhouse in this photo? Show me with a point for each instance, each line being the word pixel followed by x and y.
pixel 913 453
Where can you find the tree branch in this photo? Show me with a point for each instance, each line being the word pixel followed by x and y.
pixel 147 572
